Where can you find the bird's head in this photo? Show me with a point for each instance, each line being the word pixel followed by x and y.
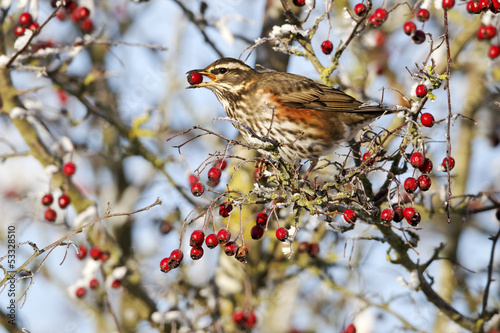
pixel 226 74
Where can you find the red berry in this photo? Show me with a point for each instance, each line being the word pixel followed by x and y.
pixel 104 256
pixel 350 216
pixel 87 26
pixel 230 248
pixel 197 189
pixel 303 247
pixel 250 319
pixel 225 209
pixel 193 179
pixel 421 90
pixel 239 317
pixel 387 215
pixel 412 216
pixel 484 5
pixel 445 163
pixel 64 200
pixel 491 31
pixel 299 3
pixel 194 78
pixel 25 19
pixel 426 167
pixel 313 249
pixel 223 236
pixel 197 238
pixel 47 199
pixel 116 284
pixel 83 252
pixel 196 253
pixel 423 15
pixel 175 258
pixel 494 51
pixel 93 284
pixel 418 37
pixel 69 169
pixel 211 241
pixel 424 182
pixel 481 33
pixel 380 14
pixel 257 232
pixel 34 26
pixel 495 6
pixel 473 7
pixel 95 253
pixel 214 174
pixel 80 292
pixel 220 164
pixel 427 119
pixel 398 213
pixel 374 22
pixel 242 254
pixel 410 185
pixel 19 31
pixel 448 4
pixel 82 13
pixel 350 329
pixel 366 157
pixel 360 9
pixel 281 234
pixel 326 47
pixel 164 267
pixel 417 159
pixel 409 28
pixel 50 215
pixel 262 219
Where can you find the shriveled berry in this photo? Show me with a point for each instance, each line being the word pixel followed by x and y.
pixel 164 267
pixel 350 216
pixel 494 51
pixel 410 185
pixel 211 241
pixel 360 9
pixel 417 159
pixel 242 254
pixel 50 215
pixel 257 232
pixel 196 253
pixel 214 174
pixel 230 248
pixel 197 238
pixel 427 166
pixel 281 234
pixel 69 169
pixel 326 47
pixel 303 247
pixel 83 252
pixel 387 215
pixel 448 165
pixel 261 219
pixel 398 213
pixel 194 78
pixel 225 209
pixel 64 200
pixel 223 236
pixel 197 189
pixel 418 37
pixel 409 28
pixel 412 216
pixel 423 15
pixel 421 90
pixel 47 199
pixel 424 182
pixel 427 119
pixel 95 253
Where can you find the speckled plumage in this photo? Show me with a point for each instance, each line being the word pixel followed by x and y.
pixel 307 118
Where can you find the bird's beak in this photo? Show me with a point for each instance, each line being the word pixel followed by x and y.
pixel 211 76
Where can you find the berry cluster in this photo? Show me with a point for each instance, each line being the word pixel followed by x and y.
pixel 64 200
pixel 25 22
pixel 486 32
pixel 214 174
pixel 79 14
pixel 244 319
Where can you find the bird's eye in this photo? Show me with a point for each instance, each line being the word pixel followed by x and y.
pixel 223 70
